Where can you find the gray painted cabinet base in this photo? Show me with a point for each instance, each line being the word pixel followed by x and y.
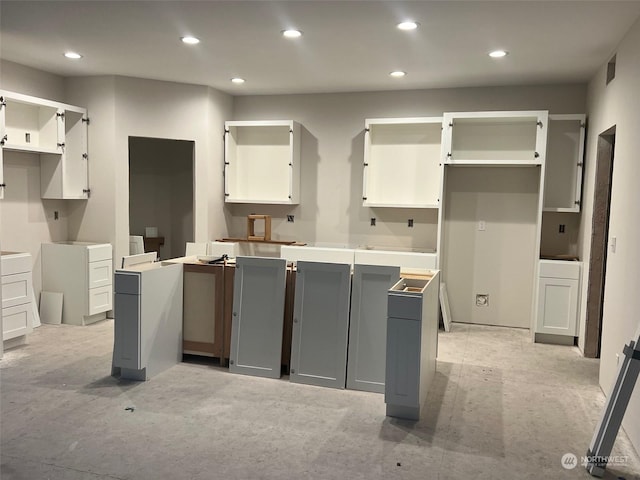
pixel 258 314
pixel 412 343
pixel 320 324
pixel 368 326
pixel 148 320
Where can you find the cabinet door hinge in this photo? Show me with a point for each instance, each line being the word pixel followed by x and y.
pixel 85 156
pixel 2 185
pixel 86 120
pixel 367 130
pixel 577 202
pixel 583 125
pixel 61 145
pixel 60 115
pixel 580 164
pixel 539 123
pixel 3 140
pixel 3 102
pixel 536 155
pixel 366 164
pixel 87 191
pixel 364 198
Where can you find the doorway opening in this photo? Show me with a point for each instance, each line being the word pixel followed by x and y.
pixel 599 242
pixel 161 194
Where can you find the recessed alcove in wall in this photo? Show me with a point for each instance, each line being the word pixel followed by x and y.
pixel 161 191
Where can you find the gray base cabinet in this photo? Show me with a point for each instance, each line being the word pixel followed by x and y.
pixel 368 326
pixel 320 324
pixel 412 343
pixel 258 313
pixel 148 320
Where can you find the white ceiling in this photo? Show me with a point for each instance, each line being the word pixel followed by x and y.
pixel 346 46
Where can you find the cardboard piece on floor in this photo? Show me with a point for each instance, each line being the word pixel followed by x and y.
pixel 51 307
pixel 444 307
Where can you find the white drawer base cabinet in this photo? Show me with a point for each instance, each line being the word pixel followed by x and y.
pixel 148 320
pixel 258 316
pixel 558 297
pixel 320 324
pixel 368 326
pixel 412 343
pixel 17 294
pixel 83 273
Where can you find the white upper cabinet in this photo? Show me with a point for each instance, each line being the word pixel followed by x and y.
pixel 495 138
pixel 402 162
pixel 563 167
pixel 262 162
pixel 57 133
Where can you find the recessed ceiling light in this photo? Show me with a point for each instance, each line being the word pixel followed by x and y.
pixel 407 25
pixel 190 40
pixel 73 55
pixel 291 33
pixel 398 73
pixel 498 53
pixel 237 80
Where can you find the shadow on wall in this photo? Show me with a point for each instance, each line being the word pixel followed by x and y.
pixel 304 226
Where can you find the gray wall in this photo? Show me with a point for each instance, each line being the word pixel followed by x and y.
pixel 617 104
pixel 331 211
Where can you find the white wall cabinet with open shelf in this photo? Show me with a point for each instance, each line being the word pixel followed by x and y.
pixel 495 138
pixel 402 162
pixel 57 132
pixel 262 162
pixel 564 161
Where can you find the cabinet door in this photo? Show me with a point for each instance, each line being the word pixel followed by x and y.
pixel 368 326
pixel 563 167
pixel 75 157
pixel 320 324
pixel 557 306
pixel 402 376
pixel 258 312
pixel 127 331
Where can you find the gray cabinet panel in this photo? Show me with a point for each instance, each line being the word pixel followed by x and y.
pixel 368 326
pixel 321 322
pixel 127 330
pixel 258 313
pixel 403 362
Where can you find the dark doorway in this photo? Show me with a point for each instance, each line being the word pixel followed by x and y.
pixel 161 193
pixel 599 242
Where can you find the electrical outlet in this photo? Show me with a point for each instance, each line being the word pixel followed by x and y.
pixel 56 215
pixel 373 222
pixel 482 299
pixel 561 228
pixel 410 223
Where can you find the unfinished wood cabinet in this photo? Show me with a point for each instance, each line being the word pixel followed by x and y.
pixel 402 162
pixel 495 138
pixel 57 132
pixel 564 162
pixel 262 162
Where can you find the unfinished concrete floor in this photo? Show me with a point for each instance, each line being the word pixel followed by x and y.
pixel 501 407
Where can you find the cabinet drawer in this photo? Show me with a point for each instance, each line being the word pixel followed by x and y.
pixel 127 283
pixel 96 253
pixel 16 321
pixel 16 289
pixel 16 263
pixel 100 273
pixel 100 299
pixel 560 269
